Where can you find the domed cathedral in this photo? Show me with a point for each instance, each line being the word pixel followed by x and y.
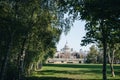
pixel 66 55
pixel 66 48
pixel 65 52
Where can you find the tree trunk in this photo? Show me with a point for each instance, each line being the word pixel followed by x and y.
pixel 104 42
pixel 39 65
pixel 5 61
pixel 21 56
pixel 30 69
pixel 112 70
pixel 111 61
pixel 104 61
pixel 21 66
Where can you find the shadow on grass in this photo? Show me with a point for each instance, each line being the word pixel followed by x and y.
pixel 52 72
pixel 90 66
pixel 93 69
pixel 47 78
pixel 75 65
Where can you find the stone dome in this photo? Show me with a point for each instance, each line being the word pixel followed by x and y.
pixel 66 47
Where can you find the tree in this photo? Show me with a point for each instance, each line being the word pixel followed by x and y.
pixel 117 54
pixel 92 55
pixel 113 48
pixel 7 33
pixel 30 34
pixel 97 14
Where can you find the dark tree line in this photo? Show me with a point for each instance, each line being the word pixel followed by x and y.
pixel 29 31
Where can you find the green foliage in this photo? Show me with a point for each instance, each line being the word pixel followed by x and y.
pixel 12 72
pixel 93 11
pixel 92 55
pixel 102 21
pixel 31 26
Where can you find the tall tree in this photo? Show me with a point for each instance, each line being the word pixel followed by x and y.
pixel 96 13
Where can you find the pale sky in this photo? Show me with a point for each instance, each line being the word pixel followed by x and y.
pixel 74 37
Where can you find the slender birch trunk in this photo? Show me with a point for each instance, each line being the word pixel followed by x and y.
pixel 21 56
pixel 111 61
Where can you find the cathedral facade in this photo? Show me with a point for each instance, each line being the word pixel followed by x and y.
pixel 67 55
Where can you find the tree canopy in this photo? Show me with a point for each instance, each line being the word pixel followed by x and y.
pixel 29 31
pixel 102 21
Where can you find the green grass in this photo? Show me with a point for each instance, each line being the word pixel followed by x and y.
pixel 73 72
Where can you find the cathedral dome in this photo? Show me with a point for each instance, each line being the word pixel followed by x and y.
pixel 66 47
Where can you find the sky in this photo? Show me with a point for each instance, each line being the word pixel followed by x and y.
pixel 74 37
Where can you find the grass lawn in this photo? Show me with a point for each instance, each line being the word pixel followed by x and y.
pixel 73 72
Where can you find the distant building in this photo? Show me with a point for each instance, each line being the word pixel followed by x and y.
pixel 67 55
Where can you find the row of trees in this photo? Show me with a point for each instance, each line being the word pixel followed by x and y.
pixel 113 56
pixel 28 35
pixel 94 55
